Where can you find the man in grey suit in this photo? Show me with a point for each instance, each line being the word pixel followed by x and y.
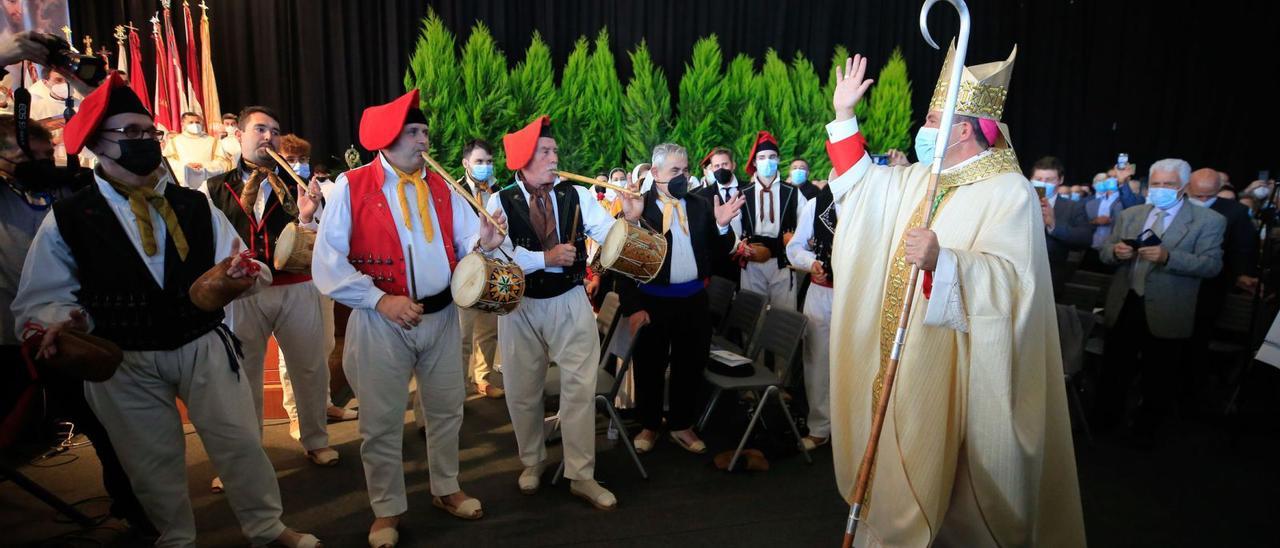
pixel 1067 228
pixel 1150 312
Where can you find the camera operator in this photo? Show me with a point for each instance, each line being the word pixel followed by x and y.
pixel 29 185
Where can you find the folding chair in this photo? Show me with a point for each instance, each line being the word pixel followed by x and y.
pixel 1080 296
pixel 607 384
pixel 1074 326
pixel 1093 279
pixel 740 325
pixel 1236 335
pixel 719 298
pixel 780 337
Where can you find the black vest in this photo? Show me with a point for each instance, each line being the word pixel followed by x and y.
pixel 824 224
pixel 807 190
pixel 543 284
pixel 788 203
pixel 703 234
pixel 224 191
pixel 116 288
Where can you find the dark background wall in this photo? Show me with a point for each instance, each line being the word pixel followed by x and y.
pixel 1195 80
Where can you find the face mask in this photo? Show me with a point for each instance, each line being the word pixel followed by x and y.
pixel 767 168
pixel 42 174
pixel 723 176
pixel 482 172
pixel 1261 193
pixel 1100 187
pixel 1163 198
pixel 139 156
pixel 1048 187
pixel 678 186
pixel 303 169
pixel 799 176
pixel 193 129
pixel 926 138
pixel 1075 196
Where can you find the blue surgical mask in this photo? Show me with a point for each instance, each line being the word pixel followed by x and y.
pixel 482 172
pixel 799 176
pixel 303 169
pixel 1112 184
pixel 926 138
pixel 1100 187
pixel 1163 198
pixel 1075 196
pixel 767 168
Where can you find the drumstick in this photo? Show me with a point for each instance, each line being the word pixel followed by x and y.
pixel 573 228
pixel 590 181
pixel 413 279
pixel 453 183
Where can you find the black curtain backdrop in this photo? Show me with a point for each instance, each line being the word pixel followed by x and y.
pixel 1093 78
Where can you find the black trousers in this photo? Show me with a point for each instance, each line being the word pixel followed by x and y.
pixel 1131 349
pixel 678 336
pixel 65 397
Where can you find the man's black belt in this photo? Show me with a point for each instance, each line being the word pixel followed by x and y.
pixel 437 302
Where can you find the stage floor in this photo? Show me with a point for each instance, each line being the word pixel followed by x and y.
pixel 1199 490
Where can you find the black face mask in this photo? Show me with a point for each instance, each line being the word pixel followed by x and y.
pixel 42 175
pixel 140 156
pixel 723 176
pixel 678 187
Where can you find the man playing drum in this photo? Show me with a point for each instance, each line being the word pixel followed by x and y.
pixel 387 246
pixel 260 200
pixel 673 302
pixel 554 323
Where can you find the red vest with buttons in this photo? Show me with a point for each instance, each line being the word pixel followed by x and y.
pixel 376 249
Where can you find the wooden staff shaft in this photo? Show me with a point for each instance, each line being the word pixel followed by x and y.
pixel 590 181
pixel 466 195
pixel 863 482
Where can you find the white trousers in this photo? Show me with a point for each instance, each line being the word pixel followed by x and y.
pixel 138 408
pixel 479 344
pixel 561 329
pixel 380 358
pixel 295 314
pixel 817 358
pixel 775 283
pixel 288 402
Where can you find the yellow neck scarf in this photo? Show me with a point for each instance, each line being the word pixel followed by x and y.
pixel 139 197
pixel 424 201
pixel 670 205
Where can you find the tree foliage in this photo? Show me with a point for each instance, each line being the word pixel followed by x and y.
pixel 603 140
pixel 486 110
pixel 435 72
pixel 888 114
pixel 646 107
pixel 744 105
pixel 700 122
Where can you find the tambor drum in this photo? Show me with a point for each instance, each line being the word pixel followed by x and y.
pixel 487 284
pixel 633 251
pixel 293 249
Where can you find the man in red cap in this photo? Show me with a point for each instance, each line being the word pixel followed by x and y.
pixel 390 238
pixel 118 259
pixel 768 221
pixel 260 200
pixel 550 222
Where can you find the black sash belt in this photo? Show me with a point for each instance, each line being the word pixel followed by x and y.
pixel 437 302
